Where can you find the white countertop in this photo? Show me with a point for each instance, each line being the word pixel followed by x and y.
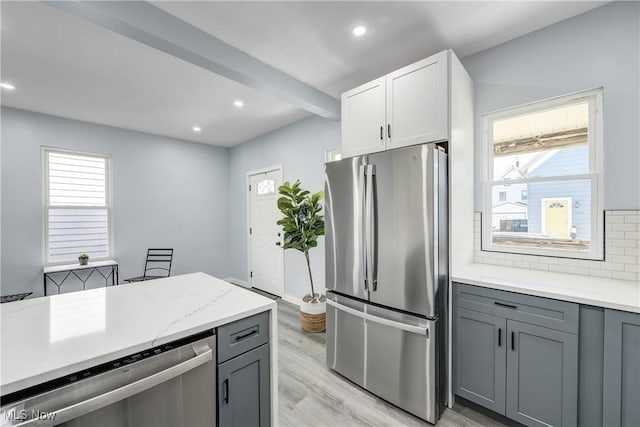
pixel 45 338
pixel 601 292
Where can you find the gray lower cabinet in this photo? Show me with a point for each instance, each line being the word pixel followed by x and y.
pixel 480 358
pixel 244 390
pixel 542 375
pixel 621 397
pixel 244 379
pixel 517 355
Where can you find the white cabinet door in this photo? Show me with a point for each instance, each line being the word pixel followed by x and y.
pixel 364 119
pixel 417 102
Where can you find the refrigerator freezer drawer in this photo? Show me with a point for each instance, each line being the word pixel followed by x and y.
pixel 345 345
pixel 391 354
pixel 400 368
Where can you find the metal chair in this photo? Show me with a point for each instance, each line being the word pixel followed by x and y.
pixel 14 297
pixel 158 261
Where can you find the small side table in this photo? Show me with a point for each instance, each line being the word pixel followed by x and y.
pixel 107 269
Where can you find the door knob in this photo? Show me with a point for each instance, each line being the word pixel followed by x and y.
pixel 278 243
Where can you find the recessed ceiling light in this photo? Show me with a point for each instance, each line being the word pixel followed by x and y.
pixel 7 86
pixel 238 103
pixel 197 129
pixel 359 30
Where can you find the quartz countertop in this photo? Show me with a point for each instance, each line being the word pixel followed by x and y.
pixel 45 338
pixel 596 291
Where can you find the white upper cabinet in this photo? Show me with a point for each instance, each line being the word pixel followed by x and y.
pixel 407 107
pixel 364 119
pixel 417 103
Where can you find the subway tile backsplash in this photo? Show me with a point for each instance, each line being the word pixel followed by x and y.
pixel 622 251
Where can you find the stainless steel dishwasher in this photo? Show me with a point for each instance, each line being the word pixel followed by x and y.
pixel 169 385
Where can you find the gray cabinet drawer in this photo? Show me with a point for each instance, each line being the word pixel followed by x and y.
pixel 242 335
pixel 549 313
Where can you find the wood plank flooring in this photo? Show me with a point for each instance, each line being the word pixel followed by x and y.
pixel 312 395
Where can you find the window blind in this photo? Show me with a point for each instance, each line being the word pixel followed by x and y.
pixel 77 204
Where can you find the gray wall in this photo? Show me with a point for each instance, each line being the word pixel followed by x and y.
pixel 166 193
pixel 596 49
pixel 300 148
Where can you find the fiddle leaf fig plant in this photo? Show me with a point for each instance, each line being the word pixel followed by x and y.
pixel 302 222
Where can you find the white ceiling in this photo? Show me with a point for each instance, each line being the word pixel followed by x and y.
pixel 312 41
pixel 65 66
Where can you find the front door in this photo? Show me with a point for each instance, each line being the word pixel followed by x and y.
pixel 556 216
pixel 266 257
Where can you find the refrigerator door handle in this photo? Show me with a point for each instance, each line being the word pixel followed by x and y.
pixel 362 230
pixel 369 225
pixel 373 244
pixel 380 320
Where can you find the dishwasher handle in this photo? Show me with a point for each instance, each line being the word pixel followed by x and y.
pixel 203 352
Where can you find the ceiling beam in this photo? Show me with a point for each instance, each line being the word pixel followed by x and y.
pixel 147 24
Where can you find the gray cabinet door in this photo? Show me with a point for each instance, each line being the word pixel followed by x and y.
pixel 621 397
pixel 542 375
pixel 244 390
pixel 480 342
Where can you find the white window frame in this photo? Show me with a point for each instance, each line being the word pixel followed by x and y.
pixel 595 175
pixel 332 155
pixel 45 151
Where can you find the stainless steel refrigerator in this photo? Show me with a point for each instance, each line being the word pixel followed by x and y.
pixel 387 274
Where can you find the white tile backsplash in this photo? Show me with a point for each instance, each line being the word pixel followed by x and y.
pixel 622 251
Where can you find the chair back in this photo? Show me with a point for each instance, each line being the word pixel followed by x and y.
pixel 158 263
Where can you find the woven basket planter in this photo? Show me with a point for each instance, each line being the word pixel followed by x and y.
pixel 313 322
pixel 313 316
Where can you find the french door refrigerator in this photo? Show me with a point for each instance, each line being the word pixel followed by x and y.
pixel 387 274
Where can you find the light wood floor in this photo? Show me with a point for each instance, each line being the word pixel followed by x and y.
pixel 312 395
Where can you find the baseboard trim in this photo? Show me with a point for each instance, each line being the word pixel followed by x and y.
pixel 238 282
pixel 293 300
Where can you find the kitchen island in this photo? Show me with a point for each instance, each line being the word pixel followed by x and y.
pixel 51 337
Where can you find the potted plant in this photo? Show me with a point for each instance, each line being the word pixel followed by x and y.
pixel 83 259
pixel 302 225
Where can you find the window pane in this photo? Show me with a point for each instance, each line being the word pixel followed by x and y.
pixel 76 180
pixel 542 144
pixel 553 215
pixel 76 231
pixel 77 211
pixel 266 186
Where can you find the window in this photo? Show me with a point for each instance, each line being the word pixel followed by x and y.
pixel 333 155
pixel 77 206
pixel 266 186
pixel 543 182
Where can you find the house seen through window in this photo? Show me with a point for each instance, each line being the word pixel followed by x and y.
pixel 77 206
pixel 542 191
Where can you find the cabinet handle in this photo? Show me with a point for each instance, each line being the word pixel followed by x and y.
pixel 513 341
pixel 389 131
pixel 381 134
pixel 501 304
pixel 225 390
pixel 253 331
pixel 499 337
